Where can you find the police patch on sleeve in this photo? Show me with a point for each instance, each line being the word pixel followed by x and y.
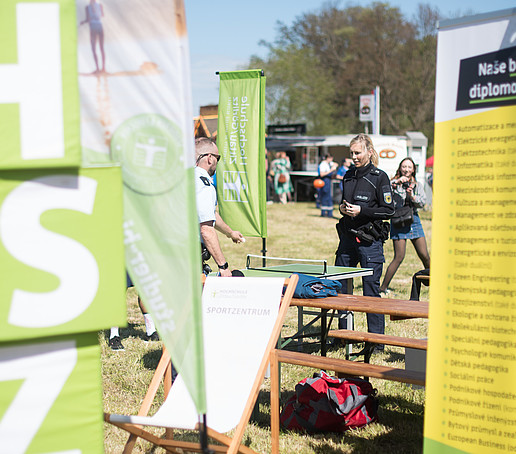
pixel 387 195
pixel 205 180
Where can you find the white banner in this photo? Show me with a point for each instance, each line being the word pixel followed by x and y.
pixel 134 75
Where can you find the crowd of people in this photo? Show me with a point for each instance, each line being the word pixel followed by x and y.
pixel 369 199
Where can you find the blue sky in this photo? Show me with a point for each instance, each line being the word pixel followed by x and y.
pixel 223 34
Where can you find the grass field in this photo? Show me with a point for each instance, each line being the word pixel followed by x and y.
pixel 294 230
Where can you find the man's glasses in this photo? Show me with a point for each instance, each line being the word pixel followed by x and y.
pixel 216 156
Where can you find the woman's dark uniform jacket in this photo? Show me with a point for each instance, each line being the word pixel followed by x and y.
pixel 370 188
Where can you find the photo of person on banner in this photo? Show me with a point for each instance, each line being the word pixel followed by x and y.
pixel 94 15
pixel 206 157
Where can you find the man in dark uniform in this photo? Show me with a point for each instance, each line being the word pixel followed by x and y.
pixel 366 202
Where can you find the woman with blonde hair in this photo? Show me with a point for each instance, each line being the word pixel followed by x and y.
pixel 366 203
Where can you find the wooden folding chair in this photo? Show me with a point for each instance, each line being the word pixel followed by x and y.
pixel 238 339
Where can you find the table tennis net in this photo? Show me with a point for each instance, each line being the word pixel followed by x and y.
pixel 284 264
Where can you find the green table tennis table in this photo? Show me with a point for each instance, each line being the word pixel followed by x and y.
pixel 338 273
pixel 318 269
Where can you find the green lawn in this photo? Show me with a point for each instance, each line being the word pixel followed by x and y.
pixel 295 230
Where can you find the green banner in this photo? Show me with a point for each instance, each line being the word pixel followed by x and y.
pixel 51 396
pixel 39 102
pixel 163 258
pixel 241 142
pixel 136 110
pixel 61 252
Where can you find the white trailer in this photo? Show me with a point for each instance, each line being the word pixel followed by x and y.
pixel 391 149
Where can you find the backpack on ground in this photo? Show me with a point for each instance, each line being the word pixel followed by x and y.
pixel 330 404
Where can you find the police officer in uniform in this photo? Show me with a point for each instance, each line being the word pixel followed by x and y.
pixel 366 203
pixel 206 157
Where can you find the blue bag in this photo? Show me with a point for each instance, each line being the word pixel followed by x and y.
pixel 314 287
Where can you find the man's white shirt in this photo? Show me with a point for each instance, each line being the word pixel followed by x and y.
pixel 206 195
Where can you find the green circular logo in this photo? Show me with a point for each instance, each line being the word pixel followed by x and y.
pixel 150 149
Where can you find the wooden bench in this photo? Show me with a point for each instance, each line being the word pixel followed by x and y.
pixel 397 309
pixel 343 366
pixel 340 366
pixel 372 339
pixel 359 336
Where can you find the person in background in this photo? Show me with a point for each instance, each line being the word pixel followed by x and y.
pixel 366 201
pixel 430 177
pixel 151 335
pixel 407 190
pixel 327 170
pixel 280 168
pixel 206 158
pixel 268 179
pixel 345 164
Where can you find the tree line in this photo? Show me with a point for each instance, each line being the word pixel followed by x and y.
pixel 317 68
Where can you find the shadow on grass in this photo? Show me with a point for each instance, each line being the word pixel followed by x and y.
pixel 394 356
pixel 151 358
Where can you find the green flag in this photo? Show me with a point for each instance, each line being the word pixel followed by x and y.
pixel 241 142
pixel 136 109
pixel 39 105
pixel 61 252
pixel 51 395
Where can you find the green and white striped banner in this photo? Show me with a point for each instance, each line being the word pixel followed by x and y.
pixel 241 142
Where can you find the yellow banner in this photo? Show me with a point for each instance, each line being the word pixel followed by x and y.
pixel 471 368
pixel 471 363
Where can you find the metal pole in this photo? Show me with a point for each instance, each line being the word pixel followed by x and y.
pixel 204 437
pixel 376 129
pixel 264 252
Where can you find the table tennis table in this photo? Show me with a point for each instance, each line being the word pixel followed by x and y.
pixel 318 269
